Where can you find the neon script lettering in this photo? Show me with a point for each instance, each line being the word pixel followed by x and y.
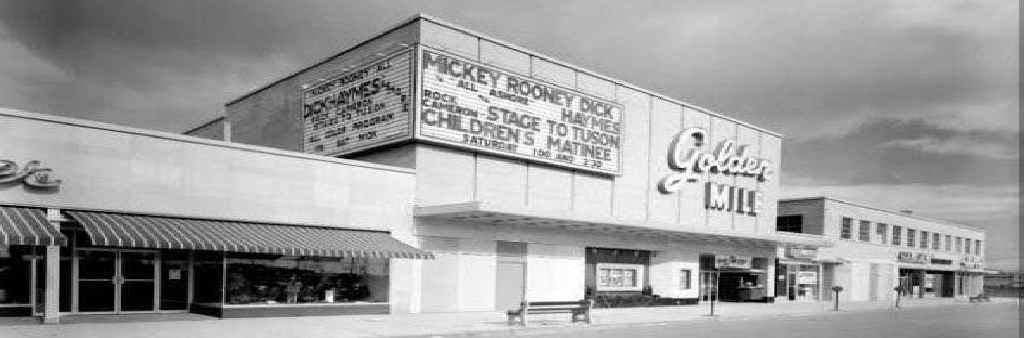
pixel 31 174
pixel 687 158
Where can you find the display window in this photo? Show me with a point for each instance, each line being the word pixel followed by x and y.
pixel 15 272
pixel 272 279
pixel 619 277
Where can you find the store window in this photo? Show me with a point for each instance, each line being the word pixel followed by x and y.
pixel 949 242
pixel 911 234
pixel 897 234
pixel 619 277
pixel 882 230
pixel 924 239
pixel 864 233
pixel 936 241
pixel 15 274
pixel 684 279
pixel 846 231
pixel 270 279
pixel 794 223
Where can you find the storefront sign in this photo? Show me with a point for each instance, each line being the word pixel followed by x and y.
pixel 32 174
pixel 801 253
pixel 806 277
pixel 941 261
pixel 911 257
pixel 489 110
pixel 733 262
pixel 690 161
pixel 356 110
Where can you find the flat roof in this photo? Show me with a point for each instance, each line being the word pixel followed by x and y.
pixel 900 213
pixel 421 16
pixel 15 113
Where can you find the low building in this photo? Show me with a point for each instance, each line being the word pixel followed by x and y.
pixel 877 250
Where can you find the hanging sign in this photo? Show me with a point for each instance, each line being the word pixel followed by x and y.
pixel 31 174
pixel 489 110
pixel 360 109
pixel 806 277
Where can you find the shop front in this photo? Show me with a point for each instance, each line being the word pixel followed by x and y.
pixel 798 275
pixel 113 220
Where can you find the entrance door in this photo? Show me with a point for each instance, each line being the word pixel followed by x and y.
pixel 115 281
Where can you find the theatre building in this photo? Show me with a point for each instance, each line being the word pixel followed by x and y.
pixel 427 169
pixel 536 179
pixel 877 250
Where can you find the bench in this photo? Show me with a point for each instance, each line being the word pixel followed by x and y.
pixel 981 297
pixel 579 310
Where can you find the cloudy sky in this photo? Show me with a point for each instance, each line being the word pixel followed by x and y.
pixel 909 104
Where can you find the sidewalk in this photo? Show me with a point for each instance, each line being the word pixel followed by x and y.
pixel 475 324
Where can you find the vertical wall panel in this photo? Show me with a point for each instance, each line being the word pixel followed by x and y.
pixel 451 40
pixel 558 74
pixel 591 195
pixel 666 118
pixel 444 176
pixel 477 269
pixel 549 189
pixel 692 212
pixel 771 149
pixel 554 272
pixel 504 57
pixel 440 294
pixel 501 181
pixel 721 129
pixel 630 188
pixel 748 137
pixel 594 85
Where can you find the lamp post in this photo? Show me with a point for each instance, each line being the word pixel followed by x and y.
pixel 837 289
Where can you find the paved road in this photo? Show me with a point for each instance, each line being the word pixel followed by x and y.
pixel 995 321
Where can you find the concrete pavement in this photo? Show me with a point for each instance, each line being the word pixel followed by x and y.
pixel 472 324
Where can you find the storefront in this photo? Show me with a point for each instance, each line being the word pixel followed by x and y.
pixel 798 276
pixel 877 250
pixel 101 219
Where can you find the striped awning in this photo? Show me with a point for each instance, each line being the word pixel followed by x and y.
pixel 143 231
pixel 27 226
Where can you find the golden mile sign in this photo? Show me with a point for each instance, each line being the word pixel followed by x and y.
pixel 690 161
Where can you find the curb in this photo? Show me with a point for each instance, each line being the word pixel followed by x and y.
pixel 535 331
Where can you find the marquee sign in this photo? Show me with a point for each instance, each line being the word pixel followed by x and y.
pixel 359 109
pixel 32 174
pixel 489 110
pixel 689 160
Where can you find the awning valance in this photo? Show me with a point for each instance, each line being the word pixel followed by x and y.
pixel 27 226
pixel 144 231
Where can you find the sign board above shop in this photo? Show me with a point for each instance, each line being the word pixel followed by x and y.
pixel 367 107
pixel 490 110
pixel 463 104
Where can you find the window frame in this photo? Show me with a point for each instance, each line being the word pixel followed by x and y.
pixel 685 279
pixel 784 223
pixel 911 236
pixel 897 235
pixel 846 228
pixel 864 231
pixel 924 239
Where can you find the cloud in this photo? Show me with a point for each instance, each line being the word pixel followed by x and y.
pixel 957 145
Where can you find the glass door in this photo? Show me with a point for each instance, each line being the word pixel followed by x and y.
pixel 137 283
pixel 97 281
pixel 115 281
